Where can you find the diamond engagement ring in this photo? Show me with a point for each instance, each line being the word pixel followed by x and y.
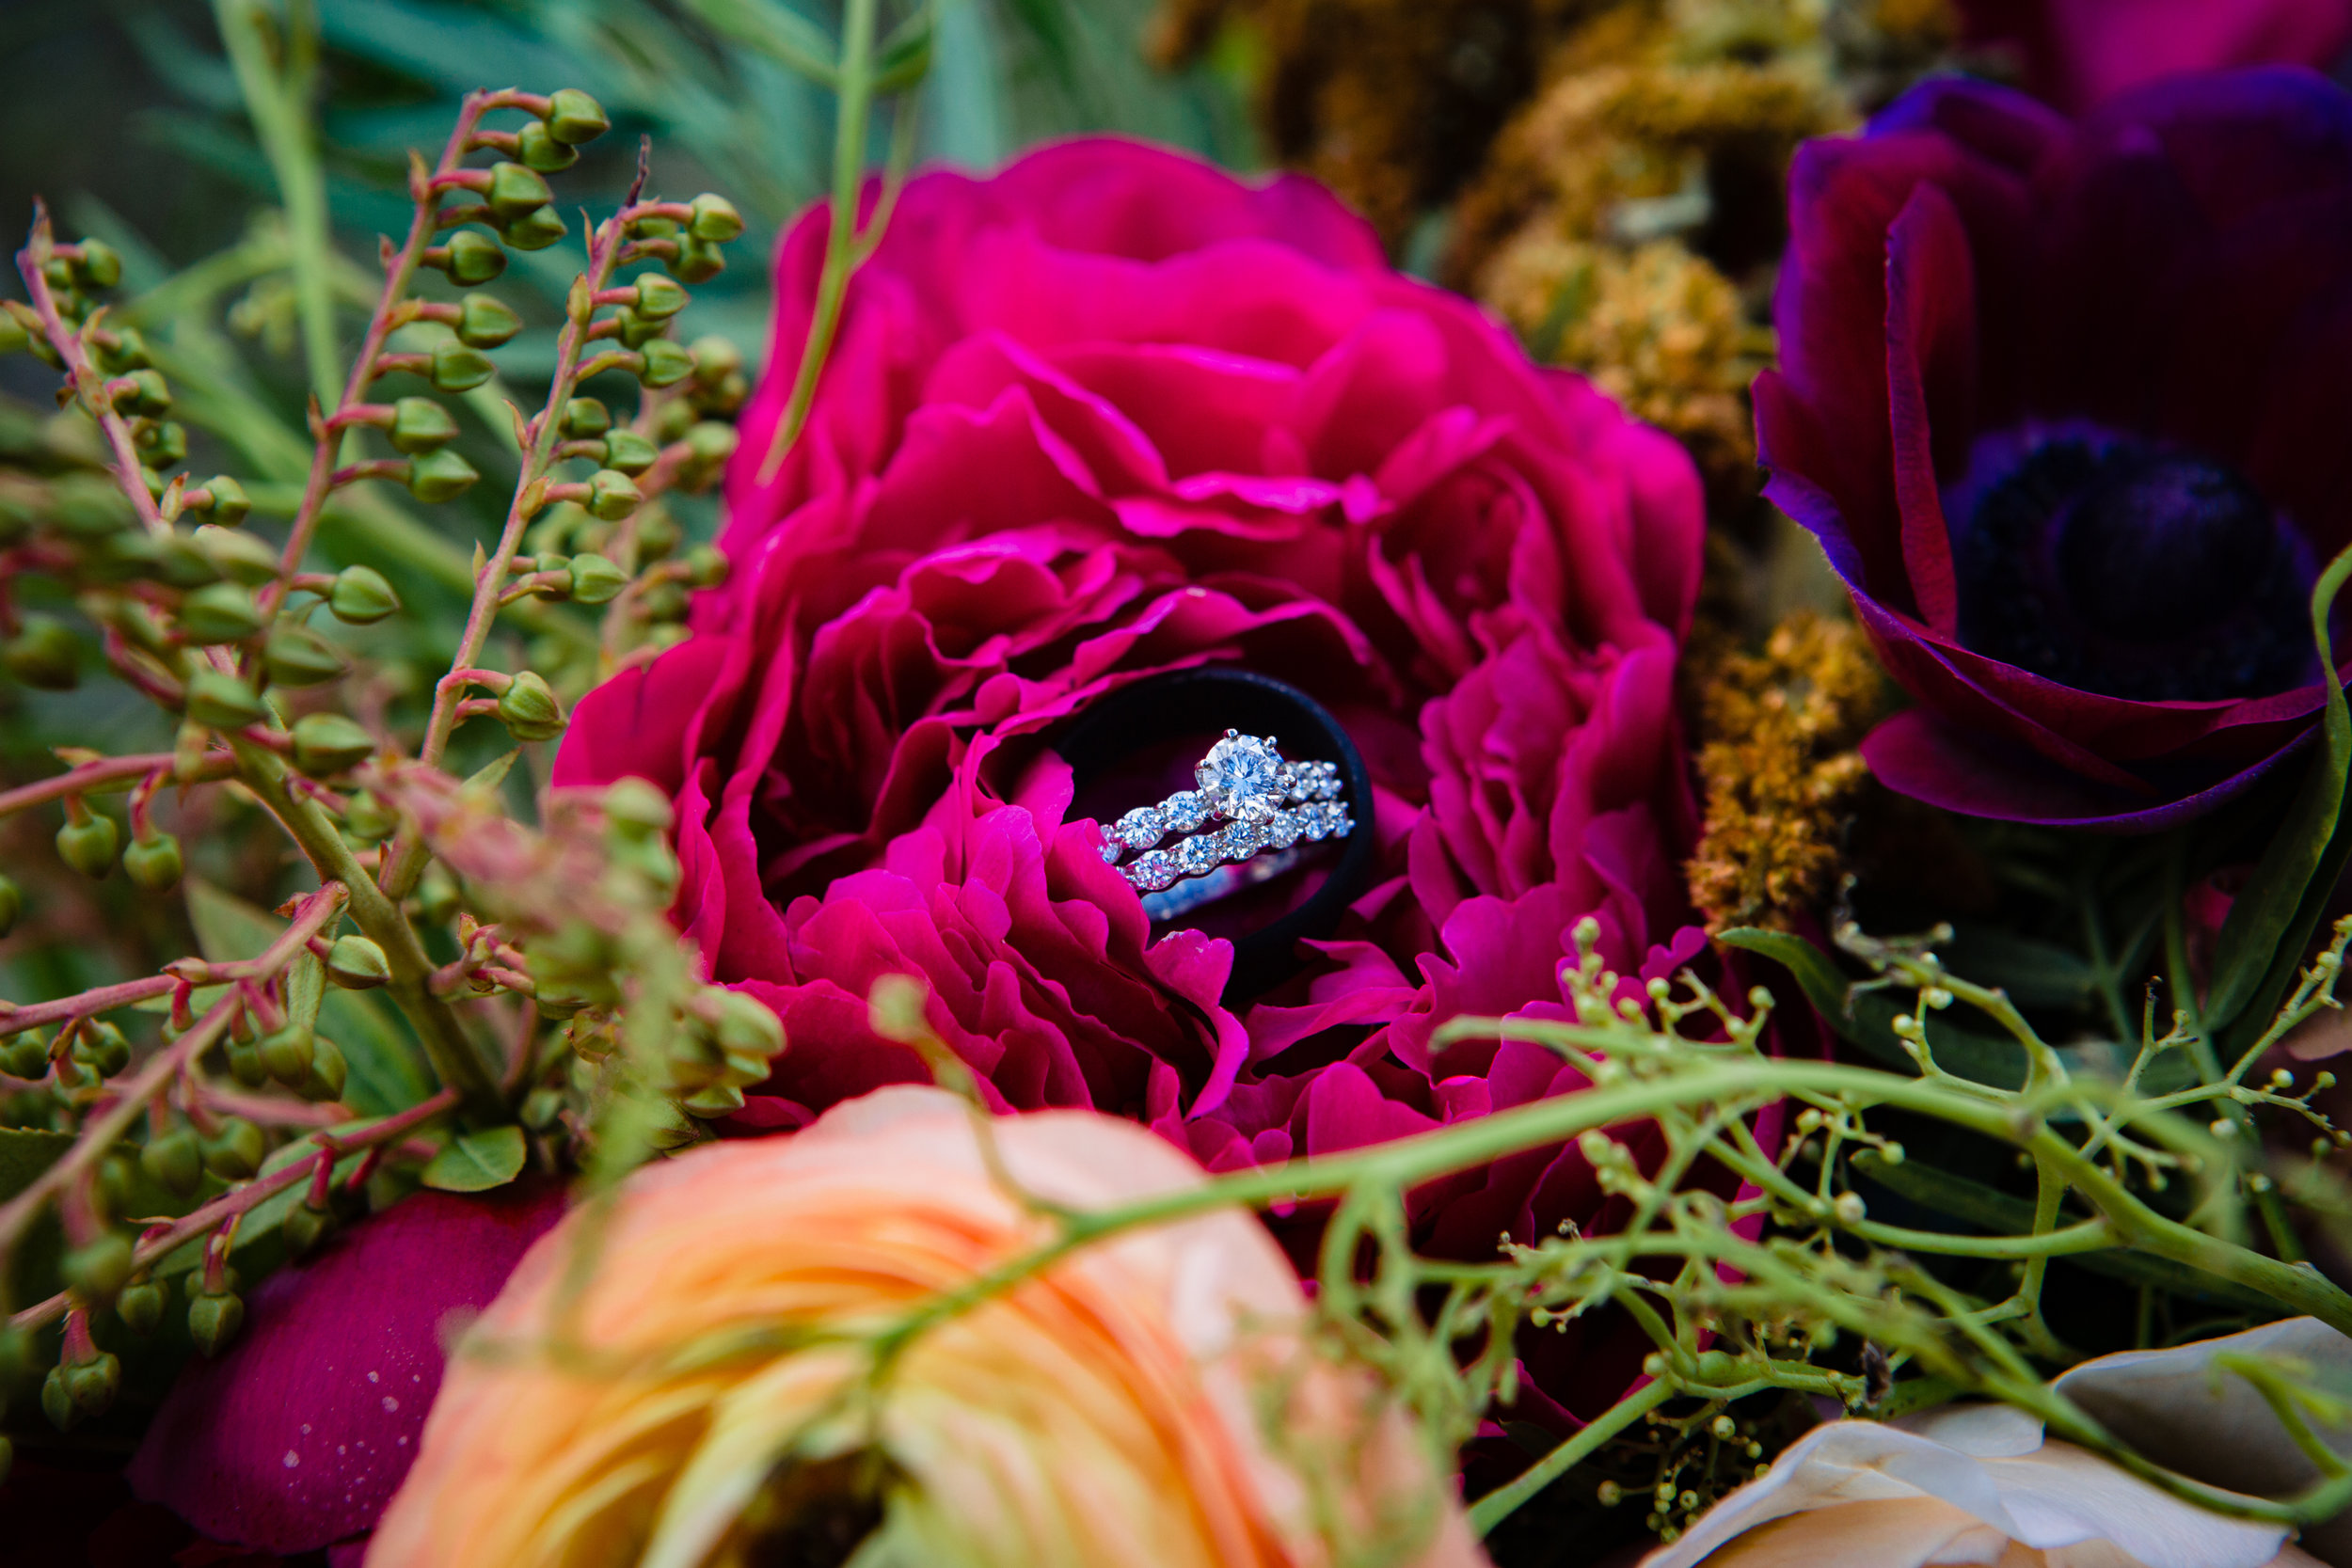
pixel 1264 801
pixel 1266 850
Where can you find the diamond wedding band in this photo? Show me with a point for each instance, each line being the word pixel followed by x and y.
pixel 1264 801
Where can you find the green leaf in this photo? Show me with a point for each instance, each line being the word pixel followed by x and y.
pixel 487 778
pixel 477 1161
pixel 388 1072
pixel 2035 973
pixel 1864 1018
pixel 1987 1209
pixel 24 1153
pixel 903 57
pixel 783 34
pixel 2269 924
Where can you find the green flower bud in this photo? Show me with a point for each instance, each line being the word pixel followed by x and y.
pixel 635 809
pixel 145 392
pixel 515 190
pixel 296 656
pixel 325 744
pixel 421 424
pixel 440 476
pixel 574 118
pixel 534 231
pixel 656 534
pixel 671 421
pixel 94 1384
pixel 361 596
pixel 129 353
pixel 178 559
pixel 714 219
pixel 239 557
pixel 286 1053
pixel 658 298
pixel 635 330
pixel 704 566
pixel 696 261
pixel 667 363
pixel 97 1268
pixel 44 653
pixel 214 1319
pixel 473 258
pixel 583 420
pixel 228 505
pixel 154 864
pixel 486 323
pixel 365 819
pixel 104 1050
pixel 663 601
pixel 235 1149
pixel 220 701
pixel 244 1064
pixel 538 148
pixel 86 507
pixel 100 267
pixel 748 1026
pixel 715 358
pixel 90 847
pixel 596 579
pixel 459 369
pixel 529 709
pixel 223 613
pixel 26 1056
pixel 357 964
pixel 57 1402
pixel 162 445
pixel 302 1227
pixel 324 1081
pixel 628 453
pixel 13 338
pixel 141 1307
pixel 611 496
pixel 711 443
pixel 713 1099
pixel 11 904
pixel 174 1161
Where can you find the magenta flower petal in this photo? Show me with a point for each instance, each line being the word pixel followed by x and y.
pixel 297 1435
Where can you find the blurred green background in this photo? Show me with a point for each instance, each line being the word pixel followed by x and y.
pixel 127 118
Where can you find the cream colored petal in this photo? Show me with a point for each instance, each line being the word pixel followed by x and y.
pixel 2061 1494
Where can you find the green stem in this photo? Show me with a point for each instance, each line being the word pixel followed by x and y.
pixel 455 1058
pixel 278 103
pixel 1505 1500
pixel 853 109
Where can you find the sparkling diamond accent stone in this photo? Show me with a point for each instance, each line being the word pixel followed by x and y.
pixel 1196 855
pixel 1185 810
pixel 1283 827
pixel 1140 829
pixel 1239 777
pixel 1154 872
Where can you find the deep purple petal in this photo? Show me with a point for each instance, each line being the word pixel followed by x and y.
pixel 297 1437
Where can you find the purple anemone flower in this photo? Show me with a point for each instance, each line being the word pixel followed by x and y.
pixel 297 1437
pixel 2065 403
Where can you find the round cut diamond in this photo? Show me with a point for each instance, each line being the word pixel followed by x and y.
pixel 1239 776
pixel 1243 840
pixel 1186 810
pixel 1283 827
pixel 1154 872
pixel 1196 855
pixel 1140 830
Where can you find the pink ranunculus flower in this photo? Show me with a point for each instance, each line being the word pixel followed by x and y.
pixel 2074 52
pixel 1112 413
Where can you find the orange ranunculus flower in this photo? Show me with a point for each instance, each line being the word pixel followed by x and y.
pixel 1149 1400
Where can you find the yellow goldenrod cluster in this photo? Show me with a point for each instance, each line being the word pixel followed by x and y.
pixel 1778 731
pixel 1390 103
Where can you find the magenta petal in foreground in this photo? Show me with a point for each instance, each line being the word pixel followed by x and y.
pixel 297 1437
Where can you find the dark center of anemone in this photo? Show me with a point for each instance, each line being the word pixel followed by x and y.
pixel 2120 566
